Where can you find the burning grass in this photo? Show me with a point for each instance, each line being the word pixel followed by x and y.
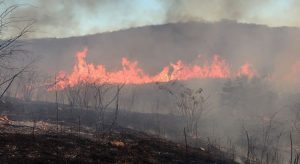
pixel 131 73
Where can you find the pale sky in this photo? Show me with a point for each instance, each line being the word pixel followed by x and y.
pixel 64 18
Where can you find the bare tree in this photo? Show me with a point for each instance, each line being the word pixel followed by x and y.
pixel 98 96
pixel 12 30
pixel 72 94
pixel 190 104
pixel 263 142
pixel 295 107
pixel 294 153
pixel 28 83
pixel 117 96
pixel 104 96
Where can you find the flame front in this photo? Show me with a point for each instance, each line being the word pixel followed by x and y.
pixel 132 74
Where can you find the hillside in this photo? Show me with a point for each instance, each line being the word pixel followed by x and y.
pixel 41 140
pixel 157 46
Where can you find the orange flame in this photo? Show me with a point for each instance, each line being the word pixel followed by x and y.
pixel 131 73
pixel 246 70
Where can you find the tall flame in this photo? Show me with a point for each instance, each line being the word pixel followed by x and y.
pixel 131 73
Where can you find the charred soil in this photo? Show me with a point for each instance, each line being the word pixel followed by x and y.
pixel 20 143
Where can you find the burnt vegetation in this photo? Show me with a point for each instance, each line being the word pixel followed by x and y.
pixel 237 120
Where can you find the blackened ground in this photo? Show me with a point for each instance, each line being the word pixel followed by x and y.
pixel 18 144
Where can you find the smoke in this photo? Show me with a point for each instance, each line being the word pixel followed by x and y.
pixel 193 10
pixel 237 102
pixel 63 18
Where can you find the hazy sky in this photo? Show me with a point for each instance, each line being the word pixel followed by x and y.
pixel 62 18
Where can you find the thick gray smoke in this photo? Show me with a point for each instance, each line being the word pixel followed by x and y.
pixel 62 18
pixel 193 10
pixel 235 105
pixel 271 51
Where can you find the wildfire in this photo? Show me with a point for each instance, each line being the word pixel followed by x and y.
pixel 293 74
pixel 131 73
pixel 246 70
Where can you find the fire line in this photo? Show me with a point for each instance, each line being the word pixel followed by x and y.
pixel 131 73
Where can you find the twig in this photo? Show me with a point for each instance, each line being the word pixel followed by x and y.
pixel 185 140
pixel 291 141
